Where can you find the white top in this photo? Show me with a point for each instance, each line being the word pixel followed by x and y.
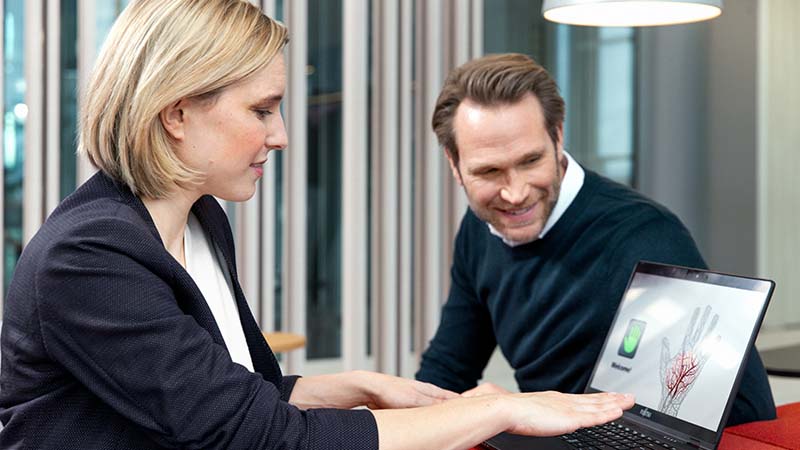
pixel 213 279
pixel 570 185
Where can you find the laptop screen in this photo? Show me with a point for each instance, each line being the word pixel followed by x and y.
pixel 678 342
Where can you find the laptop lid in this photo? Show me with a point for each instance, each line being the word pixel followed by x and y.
pixel 679 342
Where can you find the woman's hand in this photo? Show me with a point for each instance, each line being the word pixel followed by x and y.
pixel 467 421
pixel 389 392
pixel 484 389
pixel 361 388
pixel 553 413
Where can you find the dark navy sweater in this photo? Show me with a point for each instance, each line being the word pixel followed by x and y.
pixel 549 304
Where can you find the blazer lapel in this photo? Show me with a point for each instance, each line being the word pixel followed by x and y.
pixel 215 222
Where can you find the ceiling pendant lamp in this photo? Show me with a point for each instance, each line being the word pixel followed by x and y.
pixel 630 13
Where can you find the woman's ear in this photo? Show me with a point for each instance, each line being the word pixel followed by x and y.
pixel 173 121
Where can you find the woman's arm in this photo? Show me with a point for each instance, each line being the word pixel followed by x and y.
pixel 418 416
pixel 465 422
pixel 362 388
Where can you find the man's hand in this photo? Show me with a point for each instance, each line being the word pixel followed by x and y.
pixel 484 389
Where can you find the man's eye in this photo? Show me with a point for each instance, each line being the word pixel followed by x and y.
pixel 531 160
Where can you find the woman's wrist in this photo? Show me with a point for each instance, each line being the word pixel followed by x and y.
pixel 363 385
pixel 501 410
pixel 496 411
pixel 341 390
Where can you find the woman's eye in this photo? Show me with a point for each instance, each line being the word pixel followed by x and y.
pixel 261 113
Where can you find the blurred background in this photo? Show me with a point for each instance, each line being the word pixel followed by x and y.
pixel 349 239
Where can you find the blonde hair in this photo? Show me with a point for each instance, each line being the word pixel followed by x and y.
pixel 157 53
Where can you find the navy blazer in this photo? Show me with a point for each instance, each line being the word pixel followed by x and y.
pixel 107 343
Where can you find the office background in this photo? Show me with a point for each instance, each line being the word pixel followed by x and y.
pixel 348 240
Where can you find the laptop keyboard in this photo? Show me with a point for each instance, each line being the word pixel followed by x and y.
pixel 613 436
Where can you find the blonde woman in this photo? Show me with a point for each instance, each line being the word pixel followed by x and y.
pixel 125 326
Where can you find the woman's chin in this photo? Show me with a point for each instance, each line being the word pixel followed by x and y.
pixel 237 197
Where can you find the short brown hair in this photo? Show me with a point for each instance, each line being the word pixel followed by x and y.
pixel 157 53
pixel 496 80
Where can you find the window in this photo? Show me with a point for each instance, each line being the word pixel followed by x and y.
pixel 594 68
pixel 15 111
pixel 323 319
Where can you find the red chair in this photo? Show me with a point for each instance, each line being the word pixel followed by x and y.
pixel 781 433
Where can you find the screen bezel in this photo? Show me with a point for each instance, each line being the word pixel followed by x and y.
pixel 658 420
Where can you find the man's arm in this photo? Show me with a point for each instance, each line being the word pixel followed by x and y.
pixel 465 339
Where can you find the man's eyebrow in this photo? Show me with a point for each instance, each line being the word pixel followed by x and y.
pixel 533 153
pixel 481 167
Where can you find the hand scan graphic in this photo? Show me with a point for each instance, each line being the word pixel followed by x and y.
pixel 630 343
pixel 679 372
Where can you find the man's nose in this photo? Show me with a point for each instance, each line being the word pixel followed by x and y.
pixel 515 191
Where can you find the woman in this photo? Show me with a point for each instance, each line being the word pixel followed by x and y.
pixel 125 325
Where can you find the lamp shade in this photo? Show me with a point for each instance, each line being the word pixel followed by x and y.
pixel 630 13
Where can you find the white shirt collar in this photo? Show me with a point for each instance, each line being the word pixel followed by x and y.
pixel 570 185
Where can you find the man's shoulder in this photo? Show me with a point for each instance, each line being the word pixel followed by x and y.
pixel 615 202
pixel 625 222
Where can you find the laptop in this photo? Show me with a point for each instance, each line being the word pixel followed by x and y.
pixel 678 342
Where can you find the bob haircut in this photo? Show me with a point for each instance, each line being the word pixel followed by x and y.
pixel 496 80
pixel 157 53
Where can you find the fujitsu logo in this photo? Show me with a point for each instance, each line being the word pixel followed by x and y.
pixel 646 413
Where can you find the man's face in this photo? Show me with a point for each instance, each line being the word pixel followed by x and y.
pixel 509 167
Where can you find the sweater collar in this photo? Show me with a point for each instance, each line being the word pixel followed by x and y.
pixel 570 186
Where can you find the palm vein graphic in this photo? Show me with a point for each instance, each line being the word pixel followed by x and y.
pixel 680 371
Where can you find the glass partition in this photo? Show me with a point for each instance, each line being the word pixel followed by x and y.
pixel 323 319
pixel 69 96
pixel 15 111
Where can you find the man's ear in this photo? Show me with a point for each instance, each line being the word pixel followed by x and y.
pixel 454 167
pixel 561 159
pixel 173 121
pixel 560 143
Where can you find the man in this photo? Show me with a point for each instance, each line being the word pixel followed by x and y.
pixel 545 251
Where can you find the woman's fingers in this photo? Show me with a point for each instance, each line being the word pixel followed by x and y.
pixel 623 401
pixel 434 391
pixel 395 392
pixel 484 389
pixel 553 413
